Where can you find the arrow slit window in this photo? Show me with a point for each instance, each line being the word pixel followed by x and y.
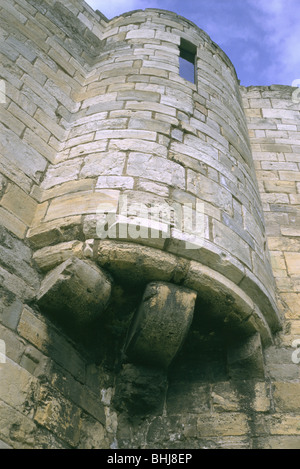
pixel 187 60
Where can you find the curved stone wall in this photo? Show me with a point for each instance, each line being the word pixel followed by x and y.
pixel 142 341
pixel 152 159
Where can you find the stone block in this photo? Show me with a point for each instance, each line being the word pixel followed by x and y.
pixel 79 394
pixel 16 428
pixel 71 187
pixel 193 397
pixel 287 187
pixel 85 149
pixel 135 263
pixel 76 289
pixel 84 203
pixel 280 114
pixel 58 131
pixel 149 124
pixel 286 396
pixel 18 266
pixel 35 142
pixel 224 398
pixel 16 285
pixel 279 442
pixel 156 169
pixel 11 314
pixel 140 390
pixel 154 187
pixel 262 401
pixel 126 133
pixel 18 387
pixel 46 339
pixel 140 34
pixel 55 231
pixel 58 415
pixel 62 172
pixel 289 176
pixel 245 359
pixel 13 345
pixel 11 122
pixel 285 425
pixel 136 229
pixel 161 324
pixel 293 263
pixel 12 223
pixel 209 191
pixel 225 424
pixel 93 435
pixel 24 156
pixel 49 257
pixel 139 146
pixel 35 362
pixel 103 164
pixel 231 242
pixel 278 166
pixel 114 182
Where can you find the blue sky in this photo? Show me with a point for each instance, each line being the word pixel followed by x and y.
pixel 261 37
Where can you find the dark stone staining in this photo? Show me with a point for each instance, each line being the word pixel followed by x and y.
pixel 140 390
pixel 245 359
pixel 76 292
pixel 155 337
pixel 161 324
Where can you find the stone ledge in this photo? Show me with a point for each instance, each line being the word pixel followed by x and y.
pixel 137 264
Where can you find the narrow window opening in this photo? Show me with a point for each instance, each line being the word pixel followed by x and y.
pixel 187 60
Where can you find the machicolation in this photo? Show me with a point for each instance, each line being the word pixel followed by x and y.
pixel 149 237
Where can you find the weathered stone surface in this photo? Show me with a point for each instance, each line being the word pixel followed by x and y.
pixel 209 191
pixel 156 169
pixel 195 398
pixel 70 205
pixel 139 390
pixel 231 423
pixel 136 263
pixel 262 398
pixel 49 257
pixel 93 435
pixel 12 223
pixel 95 107
pixel 18 387
pixel 161 324
pixel 245 360
pixel 24 157
pixel 286 396
pixel 58 415
pixel 55 231
pixel 35 362
pixel 103 164
pixel 11 314
pixel 16 429
pixel 224 398
pixel 77 289
pixel 277 443
pixel 60 173
pixel 48 340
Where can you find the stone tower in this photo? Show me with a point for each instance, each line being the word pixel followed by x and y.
pixel 150 255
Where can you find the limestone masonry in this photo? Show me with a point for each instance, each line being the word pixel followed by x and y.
pixel 150 237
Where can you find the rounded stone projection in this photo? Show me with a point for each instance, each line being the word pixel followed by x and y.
pixel 161 324
pixel 75 290
pixel 158 155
